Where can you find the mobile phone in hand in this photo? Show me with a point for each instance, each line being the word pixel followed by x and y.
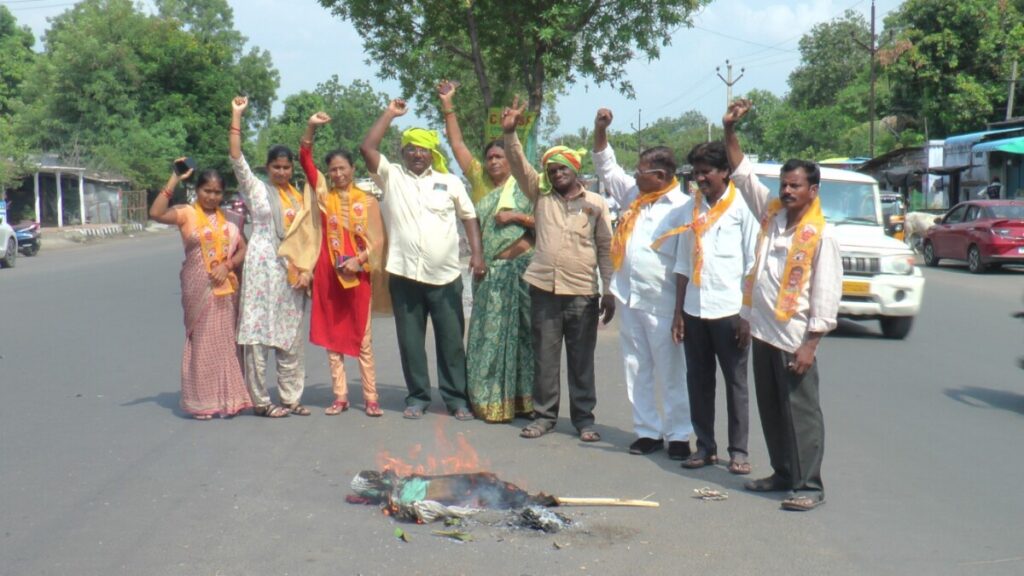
pixel 184 165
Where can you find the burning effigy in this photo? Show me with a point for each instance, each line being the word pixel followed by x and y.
pixel 417 494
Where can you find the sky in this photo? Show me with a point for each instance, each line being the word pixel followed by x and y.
pixel 759 36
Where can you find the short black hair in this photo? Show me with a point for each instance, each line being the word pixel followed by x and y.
pixel 335 154
pixel 280 151
pixel 660 157
pixel 711 153
pixel 810 169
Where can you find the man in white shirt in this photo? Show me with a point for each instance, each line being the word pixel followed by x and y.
pixel 790 301
pixel 420 205
pixel 644 288
pixel 713 252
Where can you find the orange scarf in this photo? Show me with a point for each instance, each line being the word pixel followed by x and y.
pixel 628 219
pixel 348 216
pixel 214 244
pixel 797 273
pixel 701 223
pixel 291 203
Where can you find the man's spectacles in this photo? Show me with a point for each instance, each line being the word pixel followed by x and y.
pixel 647 172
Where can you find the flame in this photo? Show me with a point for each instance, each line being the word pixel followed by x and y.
pixel 446 458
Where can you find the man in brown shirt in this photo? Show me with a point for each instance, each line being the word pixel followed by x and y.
pixel 574 236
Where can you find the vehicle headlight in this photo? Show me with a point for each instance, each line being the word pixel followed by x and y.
pixel 902 264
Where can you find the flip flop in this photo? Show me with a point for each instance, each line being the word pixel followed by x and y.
pixel 802 503
pixel 412 413
pixel 589 435
pixel 535 430
pixel 739 467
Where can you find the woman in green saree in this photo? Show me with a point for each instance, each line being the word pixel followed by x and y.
pixel 499 354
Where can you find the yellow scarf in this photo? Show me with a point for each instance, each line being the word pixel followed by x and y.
pixel 348 216
pixel 806 238
pixel 628 219
pixel 701 223
pixel 214 244
pixel 291 203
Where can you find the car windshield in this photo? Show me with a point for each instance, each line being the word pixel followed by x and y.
pixel 891 205
pixel 841 202
pixel 1011 212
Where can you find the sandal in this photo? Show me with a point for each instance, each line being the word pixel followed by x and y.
pixel 699 460
pixel 535 430
pixel 336 408
pixel 373 409
pixel 770 484
pixel 413 413
pixel 589 435
pixel 297 409
pixel 739 467
pixel 463 414
pixel 802 503
pixel 271 411
pixel 202 416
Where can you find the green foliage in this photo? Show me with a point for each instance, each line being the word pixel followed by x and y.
pixel 950 60
pixel 497 49
pixel 834 55
pixel 352 108
pixel 121 90
pixel 15 59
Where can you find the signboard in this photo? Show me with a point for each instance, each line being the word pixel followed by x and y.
pixel 3 211
pixel 492 130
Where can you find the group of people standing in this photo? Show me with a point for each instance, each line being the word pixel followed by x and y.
pixel 694 278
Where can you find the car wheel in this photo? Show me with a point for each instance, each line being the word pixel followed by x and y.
pixel 974 263
pixel 896 327
pixel 929 255
pixel 10 255
pixel 32 250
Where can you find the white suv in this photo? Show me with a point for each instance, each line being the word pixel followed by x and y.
pixel 8 241
pixel 880 280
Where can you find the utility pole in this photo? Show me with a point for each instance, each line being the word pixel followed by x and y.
pixel 1013 88
pixel 730 81
pixel 872 49
pixel 638 128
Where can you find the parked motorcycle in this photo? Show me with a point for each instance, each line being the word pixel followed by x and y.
pixel 30 237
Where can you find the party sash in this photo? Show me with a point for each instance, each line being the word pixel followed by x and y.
pixel 291 203
pixel 346 219
pixel 628 219
pixel 214 244
pixel 700 224
pixel 806 238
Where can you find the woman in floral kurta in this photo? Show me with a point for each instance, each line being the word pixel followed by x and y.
pixel 272 303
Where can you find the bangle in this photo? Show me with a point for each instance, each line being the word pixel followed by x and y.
pixel 169 192
pixel 448 111
pixel 234 130
pixel 306 143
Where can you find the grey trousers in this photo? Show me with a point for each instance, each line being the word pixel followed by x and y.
pixel 794 429
pixel 572 319
pixel 706 340
pixel 291 372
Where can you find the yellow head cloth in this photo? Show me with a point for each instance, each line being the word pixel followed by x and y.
pixel 426 139
pixel 563 155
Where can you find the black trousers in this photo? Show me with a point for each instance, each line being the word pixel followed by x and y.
pixel 704 341
pixel 794 428
pixel 573 319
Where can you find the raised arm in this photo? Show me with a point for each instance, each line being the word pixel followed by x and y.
pixel 161 210
pixel 754 192
pixel 306 146
pixel 522 171
pixel 238 106
pixel 370 148
pixel 616 181
pixel 452 130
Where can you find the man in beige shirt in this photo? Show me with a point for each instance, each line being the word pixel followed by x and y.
pixel 420 206
pixel 790 302
pixel 574 236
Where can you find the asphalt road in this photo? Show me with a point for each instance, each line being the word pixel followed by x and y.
pixel 102 474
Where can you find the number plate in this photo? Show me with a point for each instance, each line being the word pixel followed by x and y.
pixel 851 288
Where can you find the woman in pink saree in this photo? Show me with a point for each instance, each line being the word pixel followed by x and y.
pixel 211 376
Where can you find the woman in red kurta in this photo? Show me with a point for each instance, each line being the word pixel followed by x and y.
pixel 351 242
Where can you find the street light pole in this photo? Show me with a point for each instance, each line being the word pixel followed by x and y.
pixel 730 81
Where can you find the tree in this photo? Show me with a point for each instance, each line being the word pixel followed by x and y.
pixel 133 91
pixel 833 56
pixel 15 60
pixel 496 49
pixel 950 60
pixel 352 108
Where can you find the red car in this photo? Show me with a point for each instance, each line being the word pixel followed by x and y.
pixel 982 232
